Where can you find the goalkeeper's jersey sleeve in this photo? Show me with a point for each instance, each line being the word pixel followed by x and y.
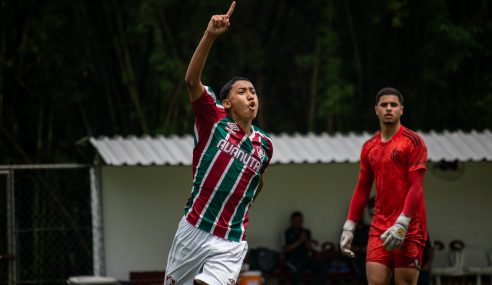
pixel 227 166
pixel 391 162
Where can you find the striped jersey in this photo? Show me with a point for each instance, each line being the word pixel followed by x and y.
pixel 227 166
pixel 389 164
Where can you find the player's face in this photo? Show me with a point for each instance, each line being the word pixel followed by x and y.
pixel 242 101
pixel 389 109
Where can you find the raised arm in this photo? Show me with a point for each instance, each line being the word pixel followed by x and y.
pixel 218 25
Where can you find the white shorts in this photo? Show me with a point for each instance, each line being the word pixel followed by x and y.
pixel 198 255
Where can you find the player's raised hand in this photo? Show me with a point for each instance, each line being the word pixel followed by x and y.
pixel 220 23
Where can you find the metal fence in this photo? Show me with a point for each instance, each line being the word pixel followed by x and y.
pixel 45 224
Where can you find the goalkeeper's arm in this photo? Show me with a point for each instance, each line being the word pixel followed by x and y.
pixel 357 205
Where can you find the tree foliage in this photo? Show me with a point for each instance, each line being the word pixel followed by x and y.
pixel 74 69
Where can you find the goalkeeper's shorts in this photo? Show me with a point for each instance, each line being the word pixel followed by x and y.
pixel 409 255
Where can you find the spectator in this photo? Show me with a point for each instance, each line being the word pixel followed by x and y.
pixel 298 250
pixel 359 244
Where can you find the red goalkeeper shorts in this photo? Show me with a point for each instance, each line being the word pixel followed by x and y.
pixel 409 255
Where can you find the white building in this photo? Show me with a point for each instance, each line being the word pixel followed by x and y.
pixel 145 182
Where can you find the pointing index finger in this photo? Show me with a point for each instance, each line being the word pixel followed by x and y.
pixel 231 9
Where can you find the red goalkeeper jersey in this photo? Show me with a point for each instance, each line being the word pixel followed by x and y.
pixel 389 164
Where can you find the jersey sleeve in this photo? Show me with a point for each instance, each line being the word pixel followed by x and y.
pixel 415 195
pixel 208 110
pixel 362 189
pixel 417 160
pixel 417 157
pixel 365 167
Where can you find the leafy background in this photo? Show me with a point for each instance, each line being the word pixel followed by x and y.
pixel 74 69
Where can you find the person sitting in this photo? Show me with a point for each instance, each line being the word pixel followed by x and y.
pixel 298 250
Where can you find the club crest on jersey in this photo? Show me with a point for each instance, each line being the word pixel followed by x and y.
pixel 396 156
pixel 260 152
pixel 239 154
pixel 232 128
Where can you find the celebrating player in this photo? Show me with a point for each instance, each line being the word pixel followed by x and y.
pixel 229 159
pixel 396 159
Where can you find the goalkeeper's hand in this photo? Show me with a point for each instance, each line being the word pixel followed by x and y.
pixel 393 237
pixel 347 237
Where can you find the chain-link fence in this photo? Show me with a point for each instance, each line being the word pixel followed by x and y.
pixel 51 229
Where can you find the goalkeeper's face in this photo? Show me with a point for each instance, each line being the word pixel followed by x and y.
pixel 389 109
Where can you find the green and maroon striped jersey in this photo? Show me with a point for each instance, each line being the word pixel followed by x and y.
pixel 227 166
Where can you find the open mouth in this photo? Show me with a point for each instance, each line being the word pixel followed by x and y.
pixel 252 106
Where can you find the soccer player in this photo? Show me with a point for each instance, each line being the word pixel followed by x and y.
pixel 229 158
pixel 395 158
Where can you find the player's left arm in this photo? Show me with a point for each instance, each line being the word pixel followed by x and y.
pixel 415 195
pixel 217 25
pixel 417 159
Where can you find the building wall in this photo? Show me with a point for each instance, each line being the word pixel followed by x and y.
pixel 142 207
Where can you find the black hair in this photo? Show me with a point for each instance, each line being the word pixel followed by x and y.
pixel 296 214
pixel 224 92
pixel 389 91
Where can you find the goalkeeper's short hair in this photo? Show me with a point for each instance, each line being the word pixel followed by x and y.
pixel 389 91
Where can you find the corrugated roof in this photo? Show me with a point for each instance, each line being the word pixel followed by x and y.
pixel 309 148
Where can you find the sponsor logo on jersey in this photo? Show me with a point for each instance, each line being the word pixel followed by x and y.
pixel 231 281
pixel 232 128
pixel 238 154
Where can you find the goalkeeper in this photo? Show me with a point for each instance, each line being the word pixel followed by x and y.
pixel 395 158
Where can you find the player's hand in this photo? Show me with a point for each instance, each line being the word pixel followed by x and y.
pixel 394 236
pixel 303 237
pixel 220 23
pixel 347 238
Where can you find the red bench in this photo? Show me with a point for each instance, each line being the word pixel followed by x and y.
pixel 147 278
